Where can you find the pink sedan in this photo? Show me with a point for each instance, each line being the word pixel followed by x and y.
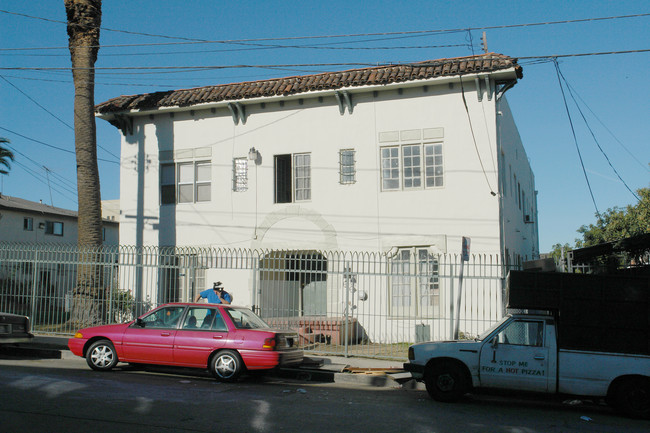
pixel 225 339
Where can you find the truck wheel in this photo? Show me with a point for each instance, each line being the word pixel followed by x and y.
pixel 445 381
pixel 632 398
pixel 226 366
pixel 101 356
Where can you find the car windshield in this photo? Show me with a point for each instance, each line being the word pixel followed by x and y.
pixel 244 318
pixel 491 329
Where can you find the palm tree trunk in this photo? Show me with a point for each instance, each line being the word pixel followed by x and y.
pixel 84 20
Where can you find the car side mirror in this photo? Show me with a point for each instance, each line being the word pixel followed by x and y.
pixel 139 322
pixel 495 341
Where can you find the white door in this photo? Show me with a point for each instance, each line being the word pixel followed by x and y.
pixel 518 359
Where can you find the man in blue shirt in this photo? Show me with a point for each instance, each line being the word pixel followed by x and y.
pixel 215 295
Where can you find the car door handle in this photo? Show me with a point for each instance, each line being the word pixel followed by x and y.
pixel 165 334
pixel 216 337
pixel 539 358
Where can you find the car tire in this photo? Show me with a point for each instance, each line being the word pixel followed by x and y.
pixel 101 356
pixel 226 366
pixel 445 381
pixel 632 397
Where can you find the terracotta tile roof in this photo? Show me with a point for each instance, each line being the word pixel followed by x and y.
pixel 378 75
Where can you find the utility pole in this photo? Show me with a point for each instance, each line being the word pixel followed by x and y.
pixel 484 43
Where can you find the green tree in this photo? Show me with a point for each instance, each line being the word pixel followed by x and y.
pixel 618 223
pixel 5 156
pixel 556 253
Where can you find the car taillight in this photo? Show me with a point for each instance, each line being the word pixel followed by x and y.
pixel 269 343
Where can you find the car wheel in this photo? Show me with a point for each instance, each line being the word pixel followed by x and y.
pixel 445 381
pixel 101 356
pixel 632 398
pixel 226 366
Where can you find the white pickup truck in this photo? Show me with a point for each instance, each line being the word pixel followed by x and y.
pixel 521 353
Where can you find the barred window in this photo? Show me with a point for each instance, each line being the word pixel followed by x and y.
pixel 240 174
pixel 347 169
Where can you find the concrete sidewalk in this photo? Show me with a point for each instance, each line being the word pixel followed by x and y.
pixel 352 370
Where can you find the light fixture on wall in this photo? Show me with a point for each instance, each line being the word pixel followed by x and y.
pixel 254 155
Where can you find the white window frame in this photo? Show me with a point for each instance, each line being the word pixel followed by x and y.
pixel 202 186
pixel 390 168
pixel 193 187
pixel 414 283
pixel 412 166
pixel 300 177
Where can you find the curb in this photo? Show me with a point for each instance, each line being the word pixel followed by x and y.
pixel 313 370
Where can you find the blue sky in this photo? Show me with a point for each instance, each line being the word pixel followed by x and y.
pixel 612 90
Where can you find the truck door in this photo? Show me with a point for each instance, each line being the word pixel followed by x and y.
pixel 516 358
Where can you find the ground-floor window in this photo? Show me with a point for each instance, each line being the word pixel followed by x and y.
pixel 414 283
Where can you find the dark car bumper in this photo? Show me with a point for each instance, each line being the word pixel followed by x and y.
pixel 416 370
pixel 14 328
pixel 291 357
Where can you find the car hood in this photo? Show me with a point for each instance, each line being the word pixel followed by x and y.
pixel 117 328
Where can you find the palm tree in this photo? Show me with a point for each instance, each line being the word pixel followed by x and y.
pixel 84 20
pixel 5 156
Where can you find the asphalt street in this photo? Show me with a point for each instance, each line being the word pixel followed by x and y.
pixel 64 395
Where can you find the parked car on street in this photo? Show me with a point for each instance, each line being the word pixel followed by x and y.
pixel 14 328
pixel 225 339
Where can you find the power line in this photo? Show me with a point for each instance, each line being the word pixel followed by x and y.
pixel 187 40
pixel 575 139
pixel 161 53
pixel 594 137
pixel 39 176
pixel 195 68
pixel 50 145
pixel 52 114
pixel 573 91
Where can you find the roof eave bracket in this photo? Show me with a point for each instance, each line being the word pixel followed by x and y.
pixel 123 122
pixel 502 87
pixel 238 112
pixel 344 100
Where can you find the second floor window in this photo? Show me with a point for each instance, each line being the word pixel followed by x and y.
pixel 239 174
pixel 28 224
pixel 347 170
pixel 292 177
pixel 412 166
pixel 186 182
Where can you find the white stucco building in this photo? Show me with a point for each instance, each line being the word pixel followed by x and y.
pixel 403 158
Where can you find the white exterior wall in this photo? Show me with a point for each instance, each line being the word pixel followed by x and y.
pixel 356 217
pixel 347 217
pixel 520 228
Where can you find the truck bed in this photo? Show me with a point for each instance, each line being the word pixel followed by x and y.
pixel 594 312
